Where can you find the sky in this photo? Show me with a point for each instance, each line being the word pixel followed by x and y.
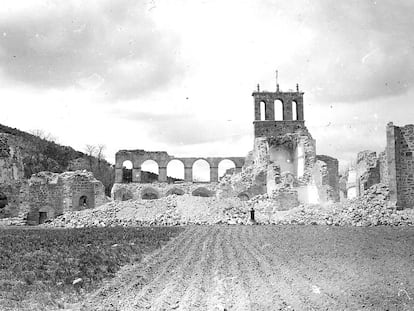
pixel 178 75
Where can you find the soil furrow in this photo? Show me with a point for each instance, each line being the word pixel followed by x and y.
pixel 133 278
pixel 163 292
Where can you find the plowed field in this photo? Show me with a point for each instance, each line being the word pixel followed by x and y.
pixel 270 268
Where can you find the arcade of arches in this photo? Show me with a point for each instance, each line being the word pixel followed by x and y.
pixel 131 165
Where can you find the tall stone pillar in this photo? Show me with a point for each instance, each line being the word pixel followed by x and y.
pixel 162 174
pixel 188 174
pixel 392 165
pixel 213 174
pixel 299 109
pixel 287 111
pixel 270 111
pixel 257 110
pixel 136 174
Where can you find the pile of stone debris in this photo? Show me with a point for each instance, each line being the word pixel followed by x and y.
pixel 13 221
pixel 167 211
pixel 371 209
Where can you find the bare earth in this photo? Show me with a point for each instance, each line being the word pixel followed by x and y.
pixel 270 268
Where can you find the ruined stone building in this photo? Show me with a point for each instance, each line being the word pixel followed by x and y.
pixel 286 148
pixel 283 160
pixel 134 184
pixel 393 167
pixel 45 195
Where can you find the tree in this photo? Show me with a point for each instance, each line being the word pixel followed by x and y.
pixel 90 151
pixel 43 135
pixel 100 154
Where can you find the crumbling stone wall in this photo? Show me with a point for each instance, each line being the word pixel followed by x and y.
pixel 400 159
pixel 11 194
pixel 326 178
pixel 368 172
pixel 285 198
pixel 45 197
pixel 48 195
pixel 135 191
pixel 383 167
pixel 277 128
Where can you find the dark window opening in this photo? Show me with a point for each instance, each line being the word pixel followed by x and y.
pixel 83 201
pixel 202 192
pixel 149 196
pixel 176 191
pixel 126 175
pixel 42 217
pixel 243 197
pixel 3 201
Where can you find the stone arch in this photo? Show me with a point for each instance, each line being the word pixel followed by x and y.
pixel 294 110
pixel 278 104
pixel 127 171
pixel 226 166
pixel 83 202
pixel 202 192
pixel 149 171
pixel 201 170
pixel 243 196
pixel 123 194
pixel 149 193
pixel 262 106
pixel 175 170
pixel 176 191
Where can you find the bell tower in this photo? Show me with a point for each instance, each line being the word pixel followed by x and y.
pixel 289 102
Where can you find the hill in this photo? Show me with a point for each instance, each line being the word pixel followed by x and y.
pixel 41 154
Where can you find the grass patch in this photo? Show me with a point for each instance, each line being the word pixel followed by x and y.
pixel 38 267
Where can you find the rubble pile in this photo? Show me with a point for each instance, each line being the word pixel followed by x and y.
pixel 167 211
pixel 12 221
pixel 371 209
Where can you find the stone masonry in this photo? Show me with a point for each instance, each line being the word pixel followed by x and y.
pixel 290 148
pixel 400 159
pixel 46 195
pixel 162 158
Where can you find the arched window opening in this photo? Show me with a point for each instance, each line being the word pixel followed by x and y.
pixel 243 196
pixel 201 171
pixel 202 192
pixel 226 167
pixel 175 191
pixel 262 111
pixel 127 171
pixel 42 217
pixel 150 194
pixel 149 171
pixel 294 110
pixel 83 202
pixel 278 110
pixel 175 171
pixel 127 196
